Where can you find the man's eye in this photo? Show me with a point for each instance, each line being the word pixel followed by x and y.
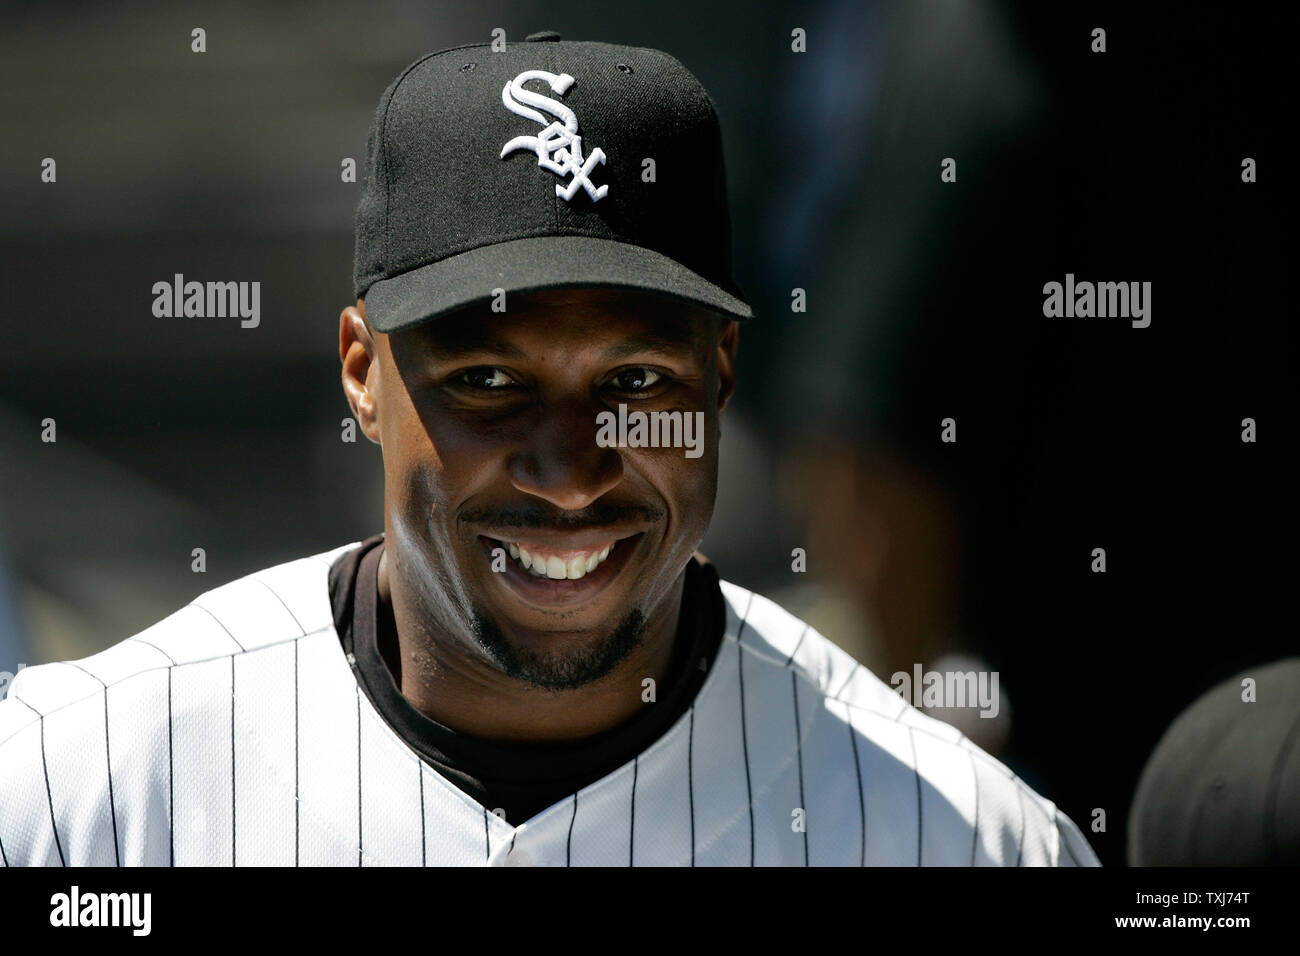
pixel 635 379
pixel 485 378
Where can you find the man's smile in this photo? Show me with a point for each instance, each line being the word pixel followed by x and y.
pixel 560 569
pixel 545 562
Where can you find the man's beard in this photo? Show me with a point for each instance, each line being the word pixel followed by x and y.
pixel 559 671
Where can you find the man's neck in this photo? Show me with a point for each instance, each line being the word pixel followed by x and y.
pixel 464 691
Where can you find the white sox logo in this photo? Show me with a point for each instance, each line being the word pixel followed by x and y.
pixel 558 146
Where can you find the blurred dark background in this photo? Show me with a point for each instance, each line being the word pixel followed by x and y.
pixel 924 302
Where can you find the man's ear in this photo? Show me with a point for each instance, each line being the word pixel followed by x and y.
pixel 728 341
pixel 357 352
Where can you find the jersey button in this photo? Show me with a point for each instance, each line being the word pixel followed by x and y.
pixel 543 35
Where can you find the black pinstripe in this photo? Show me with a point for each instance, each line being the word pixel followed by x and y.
pixel 108 763
pixel 975 830
pixel 740 629
pixel 360 839
pixel 3 859
pixel 49 794
pixel 297 786
pixel 744 743
pixel 744 736
pixel 220 624
pixel 631 837
pixel 857 768
pixel 798 743
pixel 140 640
pixel 424 838
pixel 171 766
pixel 297 809
pixel 970 753
pixel 789 660
pixel 171 779
pixel 297 623
pixel 1020 800
pixel 568 843
pixel 487 837
pixel 108 767
pixel 690 777
pixel 916 771
pixel 798 740
pixel 233 818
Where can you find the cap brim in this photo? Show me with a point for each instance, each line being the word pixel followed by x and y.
pixel 533 264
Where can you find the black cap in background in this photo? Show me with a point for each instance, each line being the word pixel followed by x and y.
pixel 1222 787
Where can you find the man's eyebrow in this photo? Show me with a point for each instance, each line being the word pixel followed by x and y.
pixel 671 344
pixel 461 346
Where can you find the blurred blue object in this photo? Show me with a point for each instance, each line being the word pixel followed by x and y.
pixel 14 649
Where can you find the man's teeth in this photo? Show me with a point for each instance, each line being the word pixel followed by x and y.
pixel 555 567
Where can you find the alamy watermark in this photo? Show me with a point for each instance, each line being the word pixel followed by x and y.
pixel 937 689
pixel 1099 300
pixel 208 300
pixel 7 679
pixel 130 910
pixel 638 429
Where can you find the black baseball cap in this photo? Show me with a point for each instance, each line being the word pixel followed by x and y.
pixel 1222 787
pixel 548 164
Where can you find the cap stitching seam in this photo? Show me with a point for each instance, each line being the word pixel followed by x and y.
pixel 383 128
pixel 553 61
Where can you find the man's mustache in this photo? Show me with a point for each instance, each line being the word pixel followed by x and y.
pixel 595 516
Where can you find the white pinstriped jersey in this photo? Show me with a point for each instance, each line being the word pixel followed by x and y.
pixel 233 732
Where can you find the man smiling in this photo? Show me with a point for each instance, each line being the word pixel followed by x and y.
pixel 531 664
pixel 528 559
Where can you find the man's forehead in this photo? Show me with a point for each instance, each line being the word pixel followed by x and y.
pixel 611 320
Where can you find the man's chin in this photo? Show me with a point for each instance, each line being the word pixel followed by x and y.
pixel 558 660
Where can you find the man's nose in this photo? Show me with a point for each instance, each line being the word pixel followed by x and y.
pixel 561 462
